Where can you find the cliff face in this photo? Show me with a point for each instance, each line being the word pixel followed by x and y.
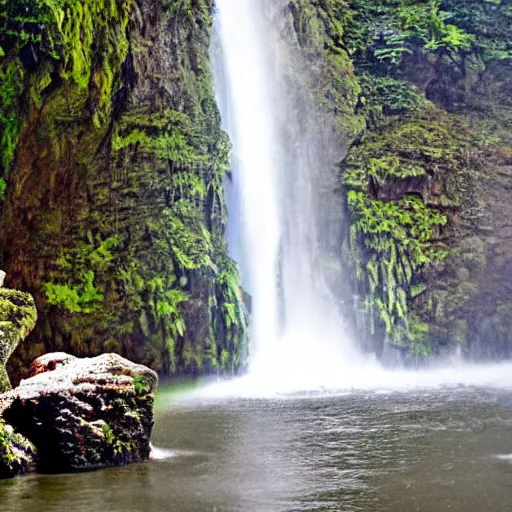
pixel 419 91
pixel 113 215
pixel 427 181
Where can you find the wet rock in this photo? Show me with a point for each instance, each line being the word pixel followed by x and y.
pixel 50 362
pixel 84 413
pixel 16 453
pixel 17 318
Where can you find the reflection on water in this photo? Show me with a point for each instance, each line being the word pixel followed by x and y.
pixel 427 451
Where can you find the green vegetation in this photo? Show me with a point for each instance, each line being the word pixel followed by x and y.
pixel 388 31
pixel 16 453
pixel 141 385
pixel 17 318
pixel 123 163
pixel 79 294
pixel 411 179
pixel 83 41
pixel 394 239
pixel 11 87
pixel 119 447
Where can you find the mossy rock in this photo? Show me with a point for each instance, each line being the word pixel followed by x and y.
pixel 17 318
pixel 85 413
pixel 16 453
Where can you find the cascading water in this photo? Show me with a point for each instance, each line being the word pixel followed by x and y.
pixel 282 203
pixel 296 329
pixel 248 118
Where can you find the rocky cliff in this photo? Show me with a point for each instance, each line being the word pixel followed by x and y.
pixel 419 93
pixel 427 181
pixel 112 210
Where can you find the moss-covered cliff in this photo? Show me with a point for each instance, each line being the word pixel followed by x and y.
pixel 427 180
pixel 112 210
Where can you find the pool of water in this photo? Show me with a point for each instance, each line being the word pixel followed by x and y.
pixel 429 451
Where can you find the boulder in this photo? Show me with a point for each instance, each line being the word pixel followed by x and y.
pixel 18 317
pixel 84 413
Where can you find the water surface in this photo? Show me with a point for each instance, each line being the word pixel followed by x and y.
pixel 427 451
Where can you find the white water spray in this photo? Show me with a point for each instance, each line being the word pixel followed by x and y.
pixel 249 121
pixel 282 155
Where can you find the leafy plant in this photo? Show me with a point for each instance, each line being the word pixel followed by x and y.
pixel 387 31
pixel 80 293
pixel 141 386
pixel 119 446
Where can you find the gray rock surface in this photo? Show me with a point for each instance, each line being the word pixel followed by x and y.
pixel 84 413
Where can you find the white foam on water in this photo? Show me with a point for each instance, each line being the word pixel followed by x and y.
pixel 370 377
pixel 162 453
pixel 506 458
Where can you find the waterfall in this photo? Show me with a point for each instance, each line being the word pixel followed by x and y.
pixel 282 192
pixel 285 217
pixel 248 118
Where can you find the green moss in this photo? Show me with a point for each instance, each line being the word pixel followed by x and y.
pixel 79 294
pixel 26 23
pixel 92 45
pixel 11 88
pixel 399 181
pixel 16 453
pixel 17 318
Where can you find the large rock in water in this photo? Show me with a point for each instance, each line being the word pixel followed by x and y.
pixel 84 413
pixel 18 316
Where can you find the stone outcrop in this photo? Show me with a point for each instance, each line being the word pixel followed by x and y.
pixel 17 318
pixel 83 413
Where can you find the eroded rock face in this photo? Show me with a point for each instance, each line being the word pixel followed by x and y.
pixel 84 413
pixel 17 318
